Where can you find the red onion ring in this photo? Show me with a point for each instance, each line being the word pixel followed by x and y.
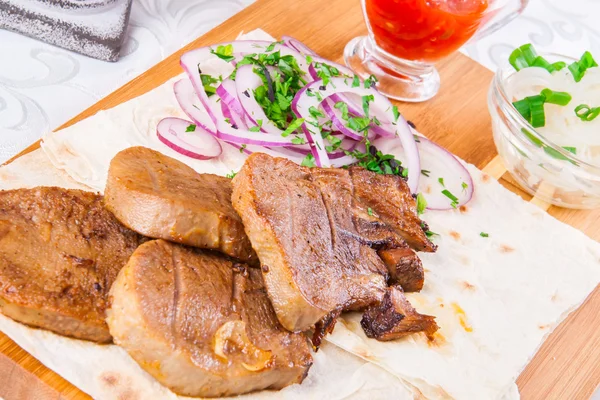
pixel 186 97
pixel 297 45
pixel 173 133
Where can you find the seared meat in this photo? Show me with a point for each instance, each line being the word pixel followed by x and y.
pixel 163 198
pixel 405 268
pixel 389 197
pixel 394 318
pixel 304 236
pixel 201 324
pixel 60 252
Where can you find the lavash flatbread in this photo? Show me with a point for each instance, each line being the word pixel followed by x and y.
pixel 496 298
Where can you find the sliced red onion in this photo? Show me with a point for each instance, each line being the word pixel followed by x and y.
pixel 234 118
pixel 303 102
pixel 188 101
pixel 298 45
pixel 246 82
pixel 198 144
pixel 230 134
pixel 228 95
pixel 439 163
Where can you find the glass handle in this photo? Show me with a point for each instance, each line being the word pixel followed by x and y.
pixel 498 18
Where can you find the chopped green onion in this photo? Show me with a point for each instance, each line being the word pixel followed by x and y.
pixel 570 149
pixel 557 155
pixel 560 98
pixel 523 57
pixel 578 68
pixel 559 65
pixel 441 181
pixel 522 107
pixel 483 234
pixel 452 197
pixel 191 128
pixel 536 107
pixel 587 113
pixel 543 63
pixel 421 203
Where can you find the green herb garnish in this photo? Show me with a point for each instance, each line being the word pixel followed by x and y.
pixel 370 211
pixel 309 161
pixel 224 52
pixel 578 68
pixel 191 128
pixel 231 175
pixel 421 203
pixel 441 181
pixel 425 172
pixel 452 197
pixel 587 113
pixel 483 234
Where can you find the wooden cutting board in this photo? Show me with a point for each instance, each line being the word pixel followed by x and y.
pixel 565 367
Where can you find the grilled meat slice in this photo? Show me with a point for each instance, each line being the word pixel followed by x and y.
pixel 405 268
pixel 395 317
pixel 390 198
pixel 163 198
pixel 304 237
pixel 60 252
pixel 214 312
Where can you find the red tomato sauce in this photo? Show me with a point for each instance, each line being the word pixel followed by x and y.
pixel 424 30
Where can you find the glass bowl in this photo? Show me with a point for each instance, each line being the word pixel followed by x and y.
pixel 544 169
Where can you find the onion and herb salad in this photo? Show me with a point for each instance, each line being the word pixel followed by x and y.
pixel 284 100
pixel 560 100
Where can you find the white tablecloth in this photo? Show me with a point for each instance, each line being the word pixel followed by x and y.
pixel 42 86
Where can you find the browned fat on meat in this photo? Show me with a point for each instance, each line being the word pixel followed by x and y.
pixel 60 252
pixel 405 268
pixel 163 198
pixel 313 238
pixel 390 197
pixel 201 324
pixel 395 318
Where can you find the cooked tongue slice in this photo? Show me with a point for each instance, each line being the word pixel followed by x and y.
pixel 389 198
pixel 301 226
pixel 201 324
pixel 395 317
pixel 60 252
pixel 163 198
pixel 405 268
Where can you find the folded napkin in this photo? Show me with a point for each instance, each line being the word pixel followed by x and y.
pixel 95 28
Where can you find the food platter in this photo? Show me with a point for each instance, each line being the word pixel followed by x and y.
pixel 462 126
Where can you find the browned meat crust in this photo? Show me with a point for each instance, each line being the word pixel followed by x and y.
pixel 201 324
pixel 324 327
pixel 405 268
pixel 395 317
pixel 163 198
pixel 390 198
pixel 60 252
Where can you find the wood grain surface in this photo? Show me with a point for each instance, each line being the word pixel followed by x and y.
pixel 565 367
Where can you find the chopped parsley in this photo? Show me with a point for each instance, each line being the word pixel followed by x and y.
pixel 231 175
pixel 295 124
pixel 430 234
pixel 208 82
pixel 242 148
pixel 464 186
pixel 309 161
pixel 370 211
pixel 483 234
pixel 225 53
pixel 365 103
pixel 355 81
pixel 396 113
pixel 425 172
pixel 441 181
pixel 298 140
pixel 370 82
pixel 191 128
pixel 258 127
pixel 376 161
pixel 421 204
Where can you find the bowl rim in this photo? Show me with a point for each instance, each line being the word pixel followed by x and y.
pixel 505 70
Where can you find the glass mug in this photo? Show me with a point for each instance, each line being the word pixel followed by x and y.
pixel 406 38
